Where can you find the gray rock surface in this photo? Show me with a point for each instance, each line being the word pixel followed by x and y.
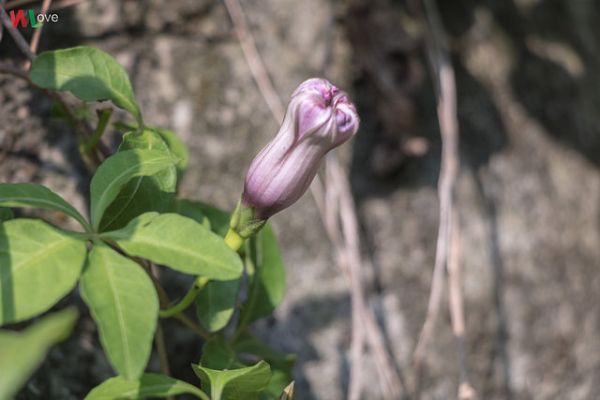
pixel 528 192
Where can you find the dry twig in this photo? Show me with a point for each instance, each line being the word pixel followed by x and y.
pixel 37 34
pixel 345 238
pixel 448 244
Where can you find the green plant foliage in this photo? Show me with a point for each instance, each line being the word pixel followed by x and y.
pixel 149 385
pixel 124 304
pixel 142 193
pixel 117 171
pixel 6 214
pixel 39 265
pixel 89 73
pixel 173 141
pixel 282 364
pixel 235 384
pixel 22 352
pixel 217 354
pixel 267 281
pixel 179 243
pixel 177 148
pixel 188 209
pixel 31 195
pixel 216 302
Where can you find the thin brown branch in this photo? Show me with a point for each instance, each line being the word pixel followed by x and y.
pixel 457 313
pixel 161 349
pixel 1 25
pixel 37 34
pixel 18 3
pixel 16 35
pixel 6 68
pixel 254 59
pixel 448 244
pixel 366 324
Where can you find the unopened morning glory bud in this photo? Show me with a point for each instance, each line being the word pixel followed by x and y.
pixel 319 118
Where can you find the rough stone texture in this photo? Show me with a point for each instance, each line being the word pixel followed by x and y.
pixel 529 190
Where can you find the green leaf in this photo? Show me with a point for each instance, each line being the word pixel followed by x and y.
pixel 6 214
pixel 143 193
pixel 249 347
pixel 31 195
pixel 22 352
pixel 39 265
pixel 216 302
pixel 217 354
pixel 149 385
pixel 267 283
pixel 177 148
pixel 123 302
pixel 197 210
pixel 179 243
pixel 89 73
pixel 188 209
pixel 173 141
pixel 119 169
pixel 243 383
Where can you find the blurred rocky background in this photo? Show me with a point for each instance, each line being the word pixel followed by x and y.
pixel 528 192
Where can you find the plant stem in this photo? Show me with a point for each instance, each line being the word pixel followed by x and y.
pixel 192 326
pixel 188 299
pixel 159 340
pixel 103 117
pixel 233 240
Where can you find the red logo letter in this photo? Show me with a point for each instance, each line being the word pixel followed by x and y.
pixel 19 18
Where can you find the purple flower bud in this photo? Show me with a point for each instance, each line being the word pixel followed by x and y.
pixel 319 118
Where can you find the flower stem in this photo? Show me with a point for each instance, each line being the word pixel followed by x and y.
pixel 188 299
pixel 233 240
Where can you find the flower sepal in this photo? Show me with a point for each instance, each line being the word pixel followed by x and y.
pixel 245 222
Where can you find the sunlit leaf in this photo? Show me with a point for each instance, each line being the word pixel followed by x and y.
pixel 22 352
pixel 235 384
pixel 149 385
pixel 142 193
pixel 119 169
pixel 89 73
pixel 179 243
pixel 39 265
pixel 124 304
pixel 32 195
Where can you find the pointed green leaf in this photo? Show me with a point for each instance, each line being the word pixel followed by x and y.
pixel 31 195
pixel 22 352
pixel 216 303
pixel 179 243
pixel 143 193
pixel 149 385
pixel 89 73
pixel 119 169
pixel 244 383
pixel 124 304
pixel 267 284
pixel 39 265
